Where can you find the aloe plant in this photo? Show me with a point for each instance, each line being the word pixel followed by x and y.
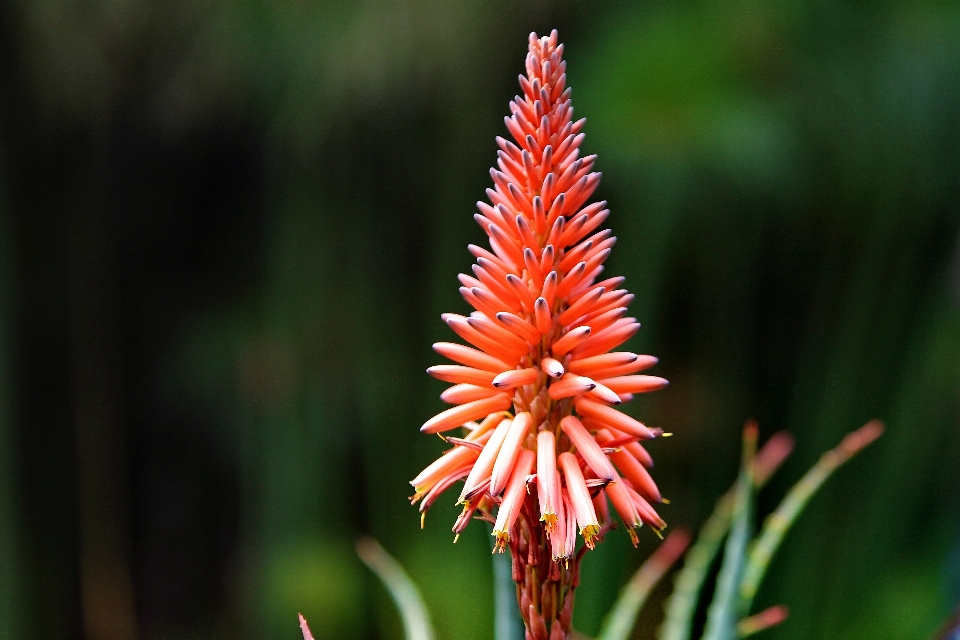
pixel 745 559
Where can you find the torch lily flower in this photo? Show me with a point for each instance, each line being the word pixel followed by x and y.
pixel 540 374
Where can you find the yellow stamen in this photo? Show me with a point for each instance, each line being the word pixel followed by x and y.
pixel 549 521
pixel 502 539
pixel 589 534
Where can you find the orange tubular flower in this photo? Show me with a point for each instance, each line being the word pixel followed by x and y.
pixel 541 375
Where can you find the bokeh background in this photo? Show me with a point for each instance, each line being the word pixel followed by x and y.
pixel 228 228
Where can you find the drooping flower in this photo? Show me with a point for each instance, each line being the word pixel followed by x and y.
pixel 536 391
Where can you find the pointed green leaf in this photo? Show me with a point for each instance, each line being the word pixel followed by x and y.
pixel 619 622
pixel 413 611
pixel 722 615
pixel 682 603
pixel 779 522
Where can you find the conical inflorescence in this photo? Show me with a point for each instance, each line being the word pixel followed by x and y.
pixel 545 450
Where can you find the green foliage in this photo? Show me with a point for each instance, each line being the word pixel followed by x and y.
pixel 743 566
pixel 690 579
pixel 621 619
pixel 725 608
pixel 405 595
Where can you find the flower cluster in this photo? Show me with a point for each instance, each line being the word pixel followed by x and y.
pixel 537 390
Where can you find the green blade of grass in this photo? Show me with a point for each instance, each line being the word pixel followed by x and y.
pixel 619 622
pixel 696 565
pixel 722 614
pixel 413 611
pixel 779 522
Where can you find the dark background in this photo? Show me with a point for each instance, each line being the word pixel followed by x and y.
pixel 228 228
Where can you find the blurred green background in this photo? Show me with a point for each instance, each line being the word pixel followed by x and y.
pixel 228 228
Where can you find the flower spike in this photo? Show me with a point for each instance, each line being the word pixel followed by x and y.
pixel 542 333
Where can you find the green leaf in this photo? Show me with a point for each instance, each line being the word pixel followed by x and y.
pixel 777 524
pixel 413 611
pixel 723 612
pixel 682 603
pixel 619 622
